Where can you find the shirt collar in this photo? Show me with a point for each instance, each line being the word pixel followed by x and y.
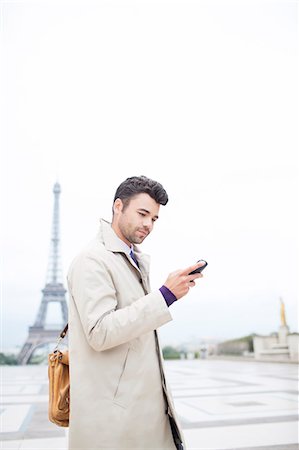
pixel 126 249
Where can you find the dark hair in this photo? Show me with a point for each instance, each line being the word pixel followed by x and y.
pixel 137 185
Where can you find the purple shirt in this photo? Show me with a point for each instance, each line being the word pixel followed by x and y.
pixel 169 296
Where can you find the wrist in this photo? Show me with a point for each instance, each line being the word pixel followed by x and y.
pixel 168 295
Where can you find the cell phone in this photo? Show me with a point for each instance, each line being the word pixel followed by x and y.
pixel 200 269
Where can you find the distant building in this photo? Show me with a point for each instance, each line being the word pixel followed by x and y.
pixel 281 346
pixel 198 348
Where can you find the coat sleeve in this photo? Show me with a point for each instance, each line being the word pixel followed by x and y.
pixel 93 292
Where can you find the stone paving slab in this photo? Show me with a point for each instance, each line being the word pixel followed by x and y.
pixel 35 444
pixel 222 404
pixel 241 437
pixel 275 447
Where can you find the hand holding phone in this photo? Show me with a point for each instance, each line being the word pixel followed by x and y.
pixel 201 268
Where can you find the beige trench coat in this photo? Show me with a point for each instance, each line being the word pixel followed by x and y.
pixel 119 398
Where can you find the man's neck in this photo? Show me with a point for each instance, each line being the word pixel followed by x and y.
pixel 120 235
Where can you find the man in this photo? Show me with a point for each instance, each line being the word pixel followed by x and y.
pixel 119 397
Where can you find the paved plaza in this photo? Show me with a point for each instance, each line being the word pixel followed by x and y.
pixel 223 405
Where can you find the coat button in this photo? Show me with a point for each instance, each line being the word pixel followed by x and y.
pixel 140 280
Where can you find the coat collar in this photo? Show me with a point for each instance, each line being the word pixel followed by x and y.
pixel 113 244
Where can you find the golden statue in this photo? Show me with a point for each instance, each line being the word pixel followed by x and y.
pixel 283 322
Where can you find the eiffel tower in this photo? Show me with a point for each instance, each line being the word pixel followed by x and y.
pixel 40 334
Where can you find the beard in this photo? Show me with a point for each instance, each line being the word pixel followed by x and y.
pixel 135 236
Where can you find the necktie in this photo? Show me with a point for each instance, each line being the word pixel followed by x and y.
pixel 134 258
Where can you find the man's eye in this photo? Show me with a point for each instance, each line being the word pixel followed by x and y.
pixel 141 213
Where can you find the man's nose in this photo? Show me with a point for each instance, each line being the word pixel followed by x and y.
pixel 147 223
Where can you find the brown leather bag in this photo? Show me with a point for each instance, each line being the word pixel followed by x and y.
pixel 59 384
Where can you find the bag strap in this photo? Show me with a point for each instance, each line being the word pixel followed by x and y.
pixel 60 337
pixel 64 331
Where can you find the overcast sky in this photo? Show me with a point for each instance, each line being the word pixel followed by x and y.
pixel 201 96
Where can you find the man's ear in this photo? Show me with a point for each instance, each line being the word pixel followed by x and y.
pixel 118 206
